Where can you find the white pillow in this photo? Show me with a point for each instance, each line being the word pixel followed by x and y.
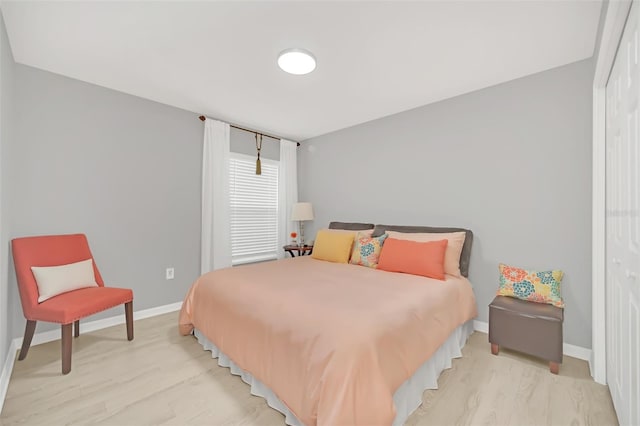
pixel 54 280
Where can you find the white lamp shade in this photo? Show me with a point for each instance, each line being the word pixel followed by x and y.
pixel 302 211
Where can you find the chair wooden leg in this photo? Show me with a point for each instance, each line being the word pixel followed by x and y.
pixel 495 349
pixel 76 328
pixel 66 347
pixel 554 367
pixel 26 341
pixel 128 313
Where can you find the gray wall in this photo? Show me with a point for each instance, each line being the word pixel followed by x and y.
pixel 6 109
pixel 511 162
pixel 123 170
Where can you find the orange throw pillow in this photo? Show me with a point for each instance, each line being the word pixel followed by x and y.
pixel 411 257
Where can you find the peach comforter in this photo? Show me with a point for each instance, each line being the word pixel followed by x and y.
pixel 332 341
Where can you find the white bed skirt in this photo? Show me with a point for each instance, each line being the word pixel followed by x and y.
pixel 407 398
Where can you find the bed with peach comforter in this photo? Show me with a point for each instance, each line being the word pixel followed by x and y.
pixel 332 341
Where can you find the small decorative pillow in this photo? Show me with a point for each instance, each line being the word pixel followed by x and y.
pixel 412 257
pixel 366 250
pixel 54 280
pixel 333 246
pixel 539 287
pixel 355 234
pixel 454 246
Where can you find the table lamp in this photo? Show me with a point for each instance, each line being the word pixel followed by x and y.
pixel 302 212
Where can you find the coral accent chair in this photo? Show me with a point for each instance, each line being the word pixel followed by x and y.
pixel 67 308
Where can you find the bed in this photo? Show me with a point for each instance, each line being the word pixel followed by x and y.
pixel 332 344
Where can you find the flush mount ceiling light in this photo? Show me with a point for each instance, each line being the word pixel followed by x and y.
pixel 296 61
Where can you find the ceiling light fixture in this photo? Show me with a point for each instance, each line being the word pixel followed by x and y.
pixel 296 61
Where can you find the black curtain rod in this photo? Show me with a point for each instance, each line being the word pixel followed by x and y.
pixel 203 118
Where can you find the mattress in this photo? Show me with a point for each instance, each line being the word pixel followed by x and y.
pixel 333 342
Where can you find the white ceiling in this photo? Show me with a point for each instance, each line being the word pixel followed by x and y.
pixel 374 58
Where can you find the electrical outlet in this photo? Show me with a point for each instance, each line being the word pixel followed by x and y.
pixel 169 273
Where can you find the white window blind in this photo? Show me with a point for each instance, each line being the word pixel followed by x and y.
pixel 254 209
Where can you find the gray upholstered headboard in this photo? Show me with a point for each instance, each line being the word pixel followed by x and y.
pixel 351 226
pixel 466 248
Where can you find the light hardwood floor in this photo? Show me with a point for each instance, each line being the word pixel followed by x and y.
pixel 164 378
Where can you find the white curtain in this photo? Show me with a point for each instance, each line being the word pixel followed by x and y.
pixel 216 233
pixel 287 191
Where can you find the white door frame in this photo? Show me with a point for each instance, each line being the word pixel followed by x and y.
pixel 617 12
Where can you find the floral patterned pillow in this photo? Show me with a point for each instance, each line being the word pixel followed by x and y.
pixel 366 250
pixel 539 287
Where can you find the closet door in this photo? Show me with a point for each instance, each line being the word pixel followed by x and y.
pixel 623 226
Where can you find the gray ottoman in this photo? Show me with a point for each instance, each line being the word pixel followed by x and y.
pixel 532 328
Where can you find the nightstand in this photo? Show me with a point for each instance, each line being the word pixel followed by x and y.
pixel 301 250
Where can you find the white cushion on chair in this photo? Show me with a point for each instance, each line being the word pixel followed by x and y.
pixel 54 280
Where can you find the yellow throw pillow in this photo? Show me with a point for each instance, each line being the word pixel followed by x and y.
pixel 333 246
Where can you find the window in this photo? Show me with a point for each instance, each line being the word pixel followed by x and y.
pixel 254 209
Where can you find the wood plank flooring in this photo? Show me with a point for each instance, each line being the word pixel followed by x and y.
pixel 164 378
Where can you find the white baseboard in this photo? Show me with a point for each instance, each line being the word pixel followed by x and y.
pixel 159 310
pixel 86 327
pixel 481 326
pixel 567 349
pixel 577 352
pixel 6 372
